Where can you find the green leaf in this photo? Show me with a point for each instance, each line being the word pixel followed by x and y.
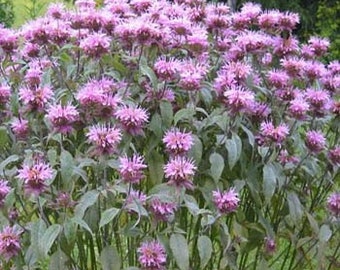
pixel 66 168
pixel 251 138
pixel 107 216
pixel 88 199
pixel 166 113
pixel 156 125
pixel 184 114
pixel 217 166
pixel 82 224
pixel 180 250
pixel 295 208
pixel 37 230
pixel 50 235
pixel 313 223
pixel 58 261
pixel 269 181
pixel 109 259
pixel 3 136
pixel 204 246
pixel 196 150
pixel 70 231
pixel 147 71
pixel 52 156
pixel 117 65
pixel 7 161
pixel 155 164
pixel 191 204
pixel 234 147
pixel 325 233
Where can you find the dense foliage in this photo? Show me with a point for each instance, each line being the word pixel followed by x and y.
pixel 6 12
pixel 155 135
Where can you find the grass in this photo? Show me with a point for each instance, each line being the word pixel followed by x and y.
pixel 22 9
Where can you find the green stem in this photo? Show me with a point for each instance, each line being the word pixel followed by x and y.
pixel 286 257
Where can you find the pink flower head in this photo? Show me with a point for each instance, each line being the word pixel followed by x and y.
pixel 63 117
pixel 131 169
pixel 4 190
pixel 240 70
pixel 166 94
pixel 132 119
pixel 269 245
pixel 59 32
pixel 284 158
pixel 218 17
pixel 315 141
pixel 152 256
pixel 9 243
pixel 36 31
pixel 333 204
pixel 104 138
pixel 226 202
pixel 293 66
pixel 269 133
pixel 180 172
pixel 36 99
pixel 334 155
pixel 314 70
pixel 278 78
pixel 5 94
pixel 239 99
pixel 166 69
pixel 285 46
pixel 178 142
pixel 63 201
pixel 162 210
pixel 288 21
pixel 269 20
pixel 197 41
pixel 56 10
pixel 35 177
pixel 248 15
pixel 136 196
pixel 253 42
pixel 95 45
pixel 85 4
pixel 30 50
pixel 191 75
pixel 334 67
pixel 287 93
pixel 336 107
pixel 20 128
pixel 319 45
pixel 33 77
pixel 319 101
pixel 298 108
pixel 8 40
pixel 259 111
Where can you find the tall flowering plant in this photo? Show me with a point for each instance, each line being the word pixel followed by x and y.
pixel 155 135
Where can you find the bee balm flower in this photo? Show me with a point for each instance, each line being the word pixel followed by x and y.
pixel 152 255
pixel 226 202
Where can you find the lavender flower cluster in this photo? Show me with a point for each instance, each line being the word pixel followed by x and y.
pixel 113 99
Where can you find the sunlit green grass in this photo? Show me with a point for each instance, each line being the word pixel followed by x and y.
pixel 22 7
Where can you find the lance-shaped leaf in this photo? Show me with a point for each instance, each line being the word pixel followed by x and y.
pixel 109 259
pixel 180 250
pixel 269 181
pixel 204 246
pixel 217 166
pixel 107 216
